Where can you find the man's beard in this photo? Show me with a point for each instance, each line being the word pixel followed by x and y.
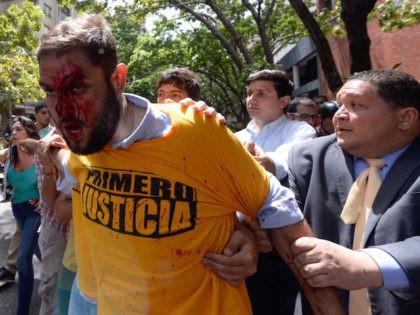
pixel 104 128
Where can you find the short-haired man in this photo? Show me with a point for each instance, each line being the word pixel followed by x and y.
pixel 319 99
pixel 42 119
pixel 269 136
pixel 378 118
pixel 327 111
pixel 145 209
pixel 303 109
pixel 176 84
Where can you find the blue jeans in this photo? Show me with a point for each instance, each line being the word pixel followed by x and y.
pixel 28 221
pixel 65 282
pixel 80 304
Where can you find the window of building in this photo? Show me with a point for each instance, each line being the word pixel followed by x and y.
pixel 47 10
pixel 329 4
pixel 308 70
pixel 64 13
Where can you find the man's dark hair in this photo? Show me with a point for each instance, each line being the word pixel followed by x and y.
pixel 280 79
pixel 40 106
pixel 90 33
pixel 319 99
pixel 396 88
pixel 298 100
pixel 183 79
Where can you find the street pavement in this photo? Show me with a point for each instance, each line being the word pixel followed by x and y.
pixel 8 292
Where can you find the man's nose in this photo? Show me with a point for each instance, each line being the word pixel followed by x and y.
pixel 341 112
pixel 250 99
pixel 65 105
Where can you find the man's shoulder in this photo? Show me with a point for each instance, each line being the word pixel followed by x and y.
pixel 319 144
pixel 294 126
pixel 137 100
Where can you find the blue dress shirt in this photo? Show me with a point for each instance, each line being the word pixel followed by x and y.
pixel 393 275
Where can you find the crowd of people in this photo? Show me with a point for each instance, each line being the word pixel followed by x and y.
pixel 159 209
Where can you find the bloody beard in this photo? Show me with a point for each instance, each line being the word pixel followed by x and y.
pixel 102 129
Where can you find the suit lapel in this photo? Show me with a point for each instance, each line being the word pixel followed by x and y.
pixel 391 186
pixel 342 168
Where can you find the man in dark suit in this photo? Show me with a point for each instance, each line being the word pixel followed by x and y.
pixel 378 118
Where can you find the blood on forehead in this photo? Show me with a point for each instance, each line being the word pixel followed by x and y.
pixel 69 84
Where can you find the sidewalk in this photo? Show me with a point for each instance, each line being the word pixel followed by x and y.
pixel 8 293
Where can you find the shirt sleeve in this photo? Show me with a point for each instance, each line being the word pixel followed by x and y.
pixel 64 186
pixel 280 207
pixel 280 155
pixel 393 275
pixel 68 177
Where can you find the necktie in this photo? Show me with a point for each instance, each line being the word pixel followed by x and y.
pixel 356 210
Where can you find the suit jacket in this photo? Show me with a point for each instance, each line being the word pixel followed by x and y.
pixel 321 175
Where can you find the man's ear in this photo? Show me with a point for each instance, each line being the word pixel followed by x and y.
pixel 284 101
pixel 407 117
pixel 118 78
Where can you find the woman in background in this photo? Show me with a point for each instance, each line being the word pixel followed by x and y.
pixel 21 174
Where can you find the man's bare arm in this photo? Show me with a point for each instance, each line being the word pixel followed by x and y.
pixel 324 301
pixel 63 208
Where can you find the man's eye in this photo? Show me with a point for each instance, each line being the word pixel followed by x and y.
pixel 49 92
pixel 77 87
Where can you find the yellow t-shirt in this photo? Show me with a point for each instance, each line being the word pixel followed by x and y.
pixel 145 216
pixel 69 258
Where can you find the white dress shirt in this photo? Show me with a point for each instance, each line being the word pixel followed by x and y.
pixel 276 138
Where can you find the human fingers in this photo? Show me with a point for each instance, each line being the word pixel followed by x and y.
pixel 222 270
pixel 258 150
pixel 59 144
pixel 250 146
pixel 186 102
pixel 301 247
pixel 168 101
pixel 229 268
pixel 28 146
pixel 37 208
pixel 240 240
pixel 262 236
pixel 210 112
pixel 220 118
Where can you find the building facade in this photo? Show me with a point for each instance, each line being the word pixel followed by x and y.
pixel 396 49
pixel 54 13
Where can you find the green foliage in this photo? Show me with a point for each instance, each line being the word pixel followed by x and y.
pixel 85 6
pixel 194 35
pixel 331 22
pixel 222 41
pixel 18 66
pixel 397 14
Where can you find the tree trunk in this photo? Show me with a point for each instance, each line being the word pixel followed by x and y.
pixel 321 43
pixel 265 41
pixel 354 15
